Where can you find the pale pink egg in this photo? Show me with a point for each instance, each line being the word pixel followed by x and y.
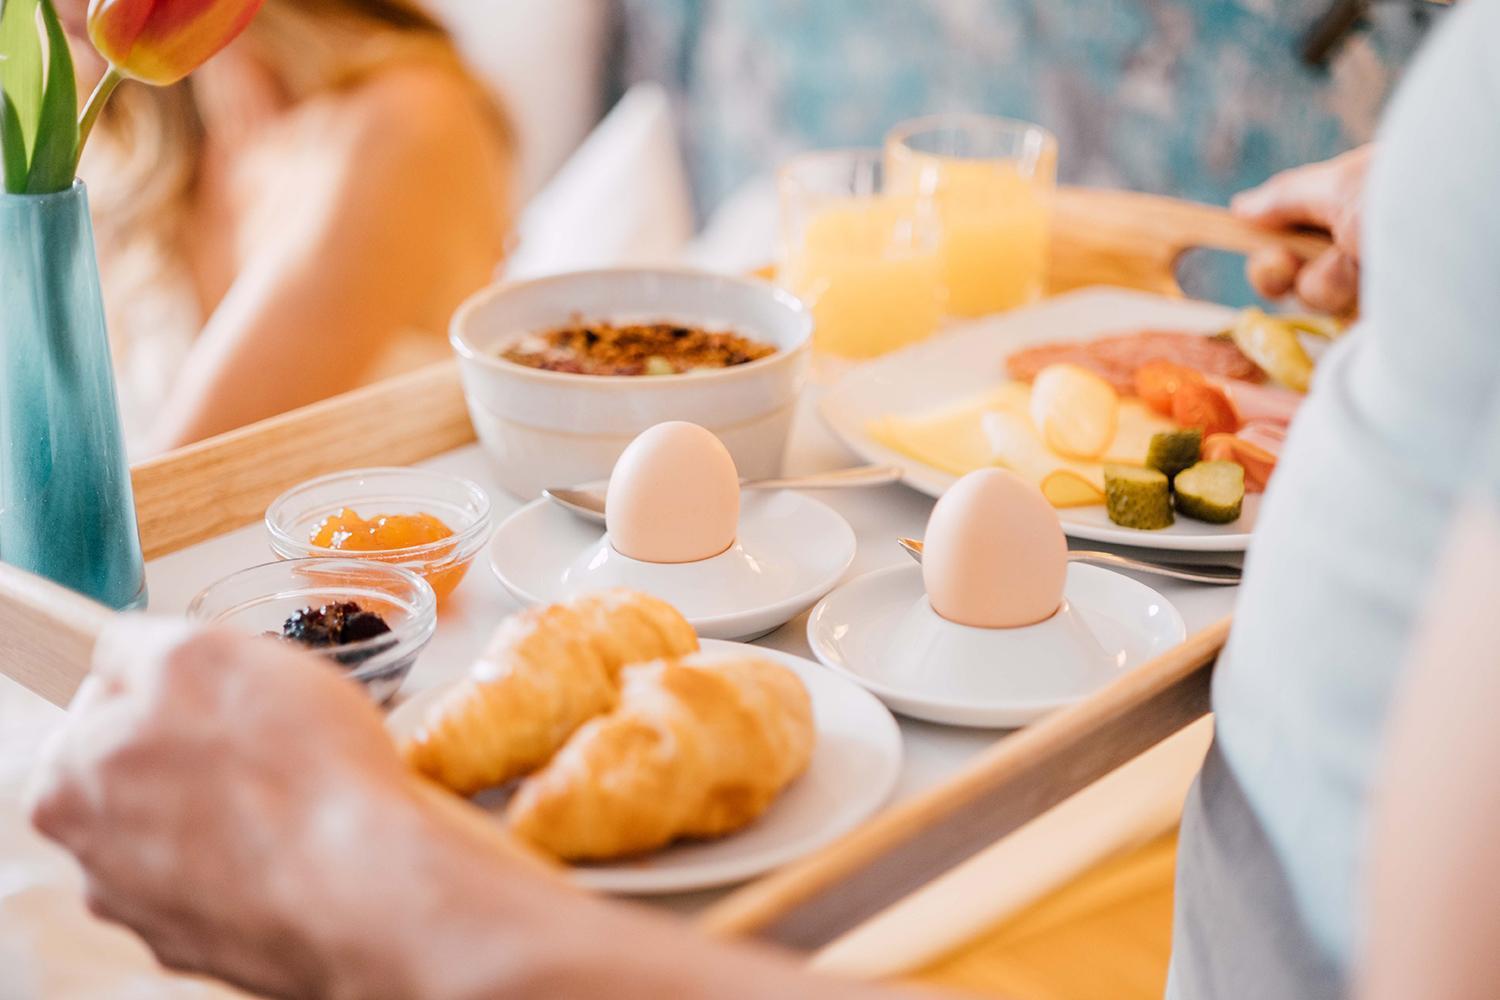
pixel 994 555
pixel 674 496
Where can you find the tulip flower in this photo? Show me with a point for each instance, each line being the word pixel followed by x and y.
pixel 162 41
pixel 157 42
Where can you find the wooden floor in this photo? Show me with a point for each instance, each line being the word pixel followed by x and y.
pixel 1106 936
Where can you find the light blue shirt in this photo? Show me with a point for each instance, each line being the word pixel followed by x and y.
pixel 1390 439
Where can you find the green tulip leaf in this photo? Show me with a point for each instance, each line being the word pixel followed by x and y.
pixel 21 69
pixel 56 151
pixel 12 146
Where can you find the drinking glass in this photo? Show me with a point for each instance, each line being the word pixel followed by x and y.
pixel 866 262
pixel 992 180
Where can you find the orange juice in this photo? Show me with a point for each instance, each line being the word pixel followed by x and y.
pixel 992 180
pixel 869 267
pixel 995 222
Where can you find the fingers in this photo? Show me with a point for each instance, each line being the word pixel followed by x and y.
pixel 1330 283
pixel 132 648
pixel 1313 195
pixel 1272 273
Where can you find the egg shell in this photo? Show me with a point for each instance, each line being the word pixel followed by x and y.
pixel 994 555
pixel 674 496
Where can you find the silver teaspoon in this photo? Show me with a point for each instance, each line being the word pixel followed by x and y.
pixel 588 502
pixel 1213 573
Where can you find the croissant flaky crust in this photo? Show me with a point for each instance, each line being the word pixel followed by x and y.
pixel 546 672
pixel 695 748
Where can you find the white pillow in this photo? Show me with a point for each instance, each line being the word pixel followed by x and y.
pixel 741 234
pixel 545 60
pixel 621 200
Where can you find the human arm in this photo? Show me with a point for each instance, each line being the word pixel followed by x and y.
pixel 367 218
pixel 1433 883
pixel 241 807
pixel 1327 196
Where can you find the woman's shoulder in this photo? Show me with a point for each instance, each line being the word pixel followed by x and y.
pixel 421 128
pixel 415 106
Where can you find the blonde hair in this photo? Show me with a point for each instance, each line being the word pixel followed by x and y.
pixel 153 137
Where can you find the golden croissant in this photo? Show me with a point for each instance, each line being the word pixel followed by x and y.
pixel 546 672
pixel 695 748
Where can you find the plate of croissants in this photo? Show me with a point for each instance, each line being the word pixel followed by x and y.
pixel 604 734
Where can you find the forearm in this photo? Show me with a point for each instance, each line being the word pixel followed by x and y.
pixel 472 925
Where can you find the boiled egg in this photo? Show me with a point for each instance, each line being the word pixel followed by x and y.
pixel 994 555
pixel 674 496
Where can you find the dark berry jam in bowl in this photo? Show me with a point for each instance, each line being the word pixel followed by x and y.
pixel 371 619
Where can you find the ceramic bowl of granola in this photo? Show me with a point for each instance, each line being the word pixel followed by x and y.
pixel 561 373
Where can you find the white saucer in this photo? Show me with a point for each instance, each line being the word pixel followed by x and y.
pixel 879 630
pixel 790 552
pixel 854 768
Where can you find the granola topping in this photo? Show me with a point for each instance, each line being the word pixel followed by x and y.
pixel 633 349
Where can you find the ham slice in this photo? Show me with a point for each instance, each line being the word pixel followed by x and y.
pixel 1116 358
pixel 1267 436
pixel 1260 404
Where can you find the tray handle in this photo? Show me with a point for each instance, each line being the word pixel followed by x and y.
pixel 47 634
pixel 1135 240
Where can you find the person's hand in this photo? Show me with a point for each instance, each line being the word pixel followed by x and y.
pixel 239 805
pixel 1327 196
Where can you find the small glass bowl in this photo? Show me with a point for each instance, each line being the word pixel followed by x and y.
pixel 460 504
pixel 259 599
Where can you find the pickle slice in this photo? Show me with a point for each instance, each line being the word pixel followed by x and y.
pixel 1172 451
pixel 1211 491
pixel 1137 497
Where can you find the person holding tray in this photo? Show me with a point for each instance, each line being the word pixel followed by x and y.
pixel 246 812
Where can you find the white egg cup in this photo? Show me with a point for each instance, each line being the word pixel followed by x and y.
pixel 790 551
pixel 880 630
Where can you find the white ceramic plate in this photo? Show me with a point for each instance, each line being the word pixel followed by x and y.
pixel 791 550
pixel 970 358
pixel 879 631
pixel 853 770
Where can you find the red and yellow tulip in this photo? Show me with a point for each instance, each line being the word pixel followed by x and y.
pixel 162 41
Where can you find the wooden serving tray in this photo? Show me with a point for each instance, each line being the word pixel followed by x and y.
pixel 225 483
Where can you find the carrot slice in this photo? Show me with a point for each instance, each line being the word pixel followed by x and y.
pixel 1157 383
pixel 1197 404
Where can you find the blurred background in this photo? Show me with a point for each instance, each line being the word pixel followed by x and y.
pixel 1192 98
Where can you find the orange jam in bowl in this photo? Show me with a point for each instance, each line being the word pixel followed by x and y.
pixel 346 531
pixel 430 523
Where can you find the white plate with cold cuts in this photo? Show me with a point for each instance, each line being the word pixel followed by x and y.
pixel 854 767
pixel 940 374
pixel 790 550
pixel 880 631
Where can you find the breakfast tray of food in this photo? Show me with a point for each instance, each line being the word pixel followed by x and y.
pixel 842 812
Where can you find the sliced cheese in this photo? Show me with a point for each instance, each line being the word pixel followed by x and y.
pixel 950 438
pixel 995 428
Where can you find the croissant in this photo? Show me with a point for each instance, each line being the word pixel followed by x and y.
pixel 545 672
pixel 693 749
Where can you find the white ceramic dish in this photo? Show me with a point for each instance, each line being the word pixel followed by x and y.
pixel 879 631
pixel 970 358
pixel 546 428
pixel 791 551
pixel 853 770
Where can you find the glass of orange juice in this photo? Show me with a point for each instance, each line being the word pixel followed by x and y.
pixel 866 261
pixel 992 180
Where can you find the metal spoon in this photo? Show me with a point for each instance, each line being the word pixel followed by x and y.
pixel 1214 573
pixel 588 502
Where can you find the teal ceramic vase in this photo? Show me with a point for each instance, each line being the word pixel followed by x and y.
pixel 66 509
